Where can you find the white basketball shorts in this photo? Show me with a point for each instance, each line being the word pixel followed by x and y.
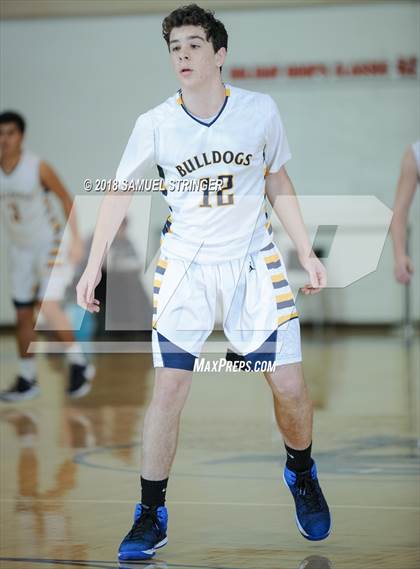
pixel 38 272
pixel 260 319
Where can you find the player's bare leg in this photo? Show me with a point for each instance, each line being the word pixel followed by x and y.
pixel 25 386
pixel 292 405
pixel 25 333
pixel 58 321
pixel 81 372
pixel 294 416
pixel 160 437
pixel 161 424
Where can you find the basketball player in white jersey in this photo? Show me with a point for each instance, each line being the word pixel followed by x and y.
pixel 217 247
pixel 35 237
pixel 407 185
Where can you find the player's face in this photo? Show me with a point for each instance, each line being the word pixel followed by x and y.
pixel 10 138
pixel 193 56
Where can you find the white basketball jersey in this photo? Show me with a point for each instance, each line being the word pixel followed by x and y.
pixel 221 215
pixel 416 151
pixel 24 204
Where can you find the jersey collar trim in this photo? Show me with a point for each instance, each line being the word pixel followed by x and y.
pixel 181 103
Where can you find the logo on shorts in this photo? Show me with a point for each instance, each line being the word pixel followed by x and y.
pixel 251 268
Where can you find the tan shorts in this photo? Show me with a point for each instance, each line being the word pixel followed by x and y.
pixel 38 273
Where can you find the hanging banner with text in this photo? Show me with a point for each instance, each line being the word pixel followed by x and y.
pixel 402 68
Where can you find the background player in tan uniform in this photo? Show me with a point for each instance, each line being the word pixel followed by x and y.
pixel 35 238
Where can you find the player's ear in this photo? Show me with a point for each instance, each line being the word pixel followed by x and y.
pixel 221 56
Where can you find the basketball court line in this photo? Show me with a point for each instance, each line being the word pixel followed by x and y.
pixel 194 503
pixel 114 564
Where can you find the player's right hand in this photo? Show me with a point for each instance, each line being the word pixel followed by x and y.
pixel 86 289
pixel 317 274
pixel 403 269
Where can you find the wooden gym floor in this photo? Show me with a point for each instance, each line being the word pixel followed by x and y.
pixel 69 469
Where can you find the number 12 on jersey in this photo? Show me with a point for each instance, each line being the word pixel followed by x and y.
pixel 222 197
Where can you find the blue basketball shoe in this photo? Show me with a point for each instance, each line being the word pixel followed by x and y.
pixel 147 534
pixel 313 517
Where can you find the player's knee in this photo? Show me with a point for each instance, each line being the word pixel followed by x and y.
pixel 49 307
pixel 289 387
pixel 170 399
pixel 291 390
pixel 171 388
pixel 24 317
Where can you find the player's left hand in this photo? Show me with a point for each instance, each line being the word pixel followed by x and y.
pixel 76 251
pixel 317 274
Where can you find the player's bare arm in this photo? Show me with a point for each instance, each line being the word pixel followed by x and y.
pixel 282 196
pixel 51 181
pixel 407 184
pixel 111 214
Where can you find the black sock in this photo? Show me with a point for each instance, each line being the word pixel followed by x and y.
pixel 298 460
pixel 153 492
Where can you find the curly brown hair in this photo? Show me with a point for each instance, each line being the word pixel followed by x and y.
pixel 193 15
